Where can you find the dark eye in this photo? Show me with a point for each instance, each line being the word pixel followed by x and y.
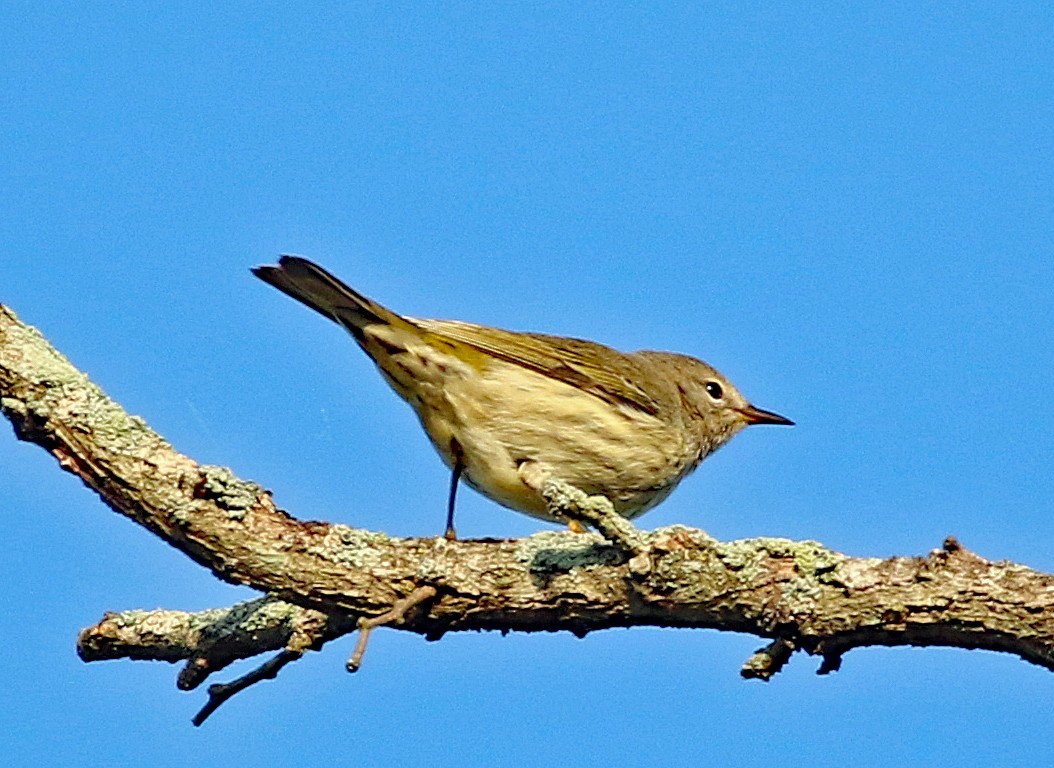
pixel 714 390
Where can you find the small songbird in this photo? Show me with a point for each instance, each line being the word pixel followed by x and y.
pixel 509 411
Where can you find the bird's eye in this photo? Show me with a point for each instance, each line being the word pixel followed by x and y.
pixel 714 390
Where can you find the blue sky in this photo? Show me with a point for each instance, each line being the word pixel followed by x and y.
pixel 846 209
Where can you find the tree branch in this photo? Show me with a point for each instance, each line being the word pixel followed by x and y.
pixel 396 615
pixel 221 692
pixel 210 640
pixel 321 579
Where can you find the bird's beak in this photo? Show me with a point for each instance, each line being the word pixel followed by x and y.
pixel 754 415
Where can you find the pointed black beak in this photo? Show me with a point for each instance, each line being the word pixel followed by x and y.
pixel 754 415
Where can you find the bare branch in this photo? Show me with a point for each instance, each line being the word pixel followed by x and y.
pixel 220 692
pixel 395 616
pixel 767 661
pixel 210 640
pixel 323 578
pixel 572 504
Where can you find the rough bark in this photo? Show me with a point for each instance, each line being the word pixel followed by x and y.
pixel 324 580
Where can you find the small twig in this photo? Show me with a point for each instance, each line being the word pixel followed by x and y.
pixel 220 692
pixel 566 501
pixel 832 662
pixel 397 613
pixel 767 661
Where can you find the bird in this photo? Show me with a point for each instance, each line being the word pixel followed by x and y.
pixel 509 411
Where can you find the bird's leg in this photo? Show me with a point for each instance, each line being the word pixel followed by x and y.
pixel 459 467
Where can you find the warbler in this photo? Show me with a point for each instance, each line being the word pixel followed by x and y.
pixel 509 411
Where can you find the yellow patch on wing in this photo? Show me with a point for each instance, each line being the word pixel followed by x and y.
pixel 601 371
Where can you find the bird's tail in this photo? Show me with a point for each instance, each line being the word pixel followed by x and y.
pixel 310 284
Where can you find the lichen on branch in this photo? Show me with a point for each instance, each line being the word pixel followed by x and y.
pixel 321 579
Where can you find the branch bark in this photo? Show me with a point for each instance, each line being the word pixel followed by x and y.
pixel 322 579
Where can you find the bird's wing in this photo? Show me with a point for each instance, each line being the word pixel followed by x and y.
pixel 601 371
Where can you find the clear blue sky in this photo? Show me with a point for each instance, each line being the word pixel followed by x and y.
pixel 847 209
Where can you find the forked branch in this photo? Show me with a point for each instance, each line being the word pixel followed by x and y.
pixel 322 579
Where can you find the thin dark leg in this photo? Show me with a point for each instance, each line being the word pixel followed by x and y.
pixel 459 467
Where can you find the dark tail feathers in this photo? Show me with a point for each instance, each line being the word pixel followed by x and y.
pixel 310 284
